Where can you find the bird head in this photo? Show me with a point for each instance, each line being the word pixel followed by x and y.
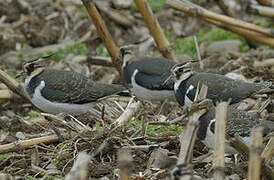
pixel 127 55
pixel 182 71
pixel 33 67
pixel 134 51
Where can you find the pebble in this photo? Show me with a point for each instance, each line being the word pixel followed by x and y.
pixel 224 46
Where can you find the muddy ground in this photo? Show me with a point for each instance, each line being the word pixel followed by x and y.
pixel 34 28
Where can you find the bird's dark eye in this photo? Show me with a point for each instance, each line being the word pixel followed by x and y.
pixel 30 68
pixel 181 69
pixel 125 51
pixel 122 51
pixel 212 127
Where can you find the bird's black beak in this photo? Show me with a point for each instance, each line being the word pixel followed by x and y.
pixel 19 74
pixel 124 52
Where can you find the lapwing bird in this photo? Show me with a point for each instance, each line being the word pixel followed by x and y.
pixel 220 87
pixel 238 122
pixel 56 91
pixel 145 76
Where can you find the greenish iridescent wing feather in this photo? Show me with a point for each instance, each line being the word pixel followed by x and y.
pixel 223 88
pixel 153 82
pixel 152 72
pixel 71 87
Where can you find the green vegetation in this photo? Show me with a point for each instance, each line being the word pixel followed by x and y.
pixel 262 22
pixel 155 5
pixel 83 12
pixel 77 49
pixel 220 34
pixel 29 178
pixel 4 156
pixel 97 127
pixel 184 46
pixel 201 2
pixel 102 51
pixel 20 57
pixel 187 45
pixel 154 130
pixel 33 114
pixel 11 74
pixel 62 152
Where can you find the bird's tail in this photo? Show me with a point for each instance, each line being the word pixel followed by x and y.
pixel 113 91
pixel 125 93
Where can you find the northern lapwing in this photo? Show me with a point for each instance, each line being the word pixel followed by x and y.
pixel 145 76
pixel 220 87
pixel 238 122
pixel 56 91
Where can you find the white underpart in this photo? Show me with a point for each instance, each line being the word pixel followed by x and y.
pixel 151 95
pixel 27 80
pixel 188 102
pixel 52 107
pixel 209 141
pixel 124 64
pixel 177 84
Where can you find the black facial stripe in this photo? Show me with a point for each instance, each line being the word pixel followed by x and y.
pixel 191 94
pixel 212 127
pixel 126 74
pixel 127 52
pixel 180 93
pixel 30 68
pixel 34 82
pixel 181 69
pixel 203 125
pixel 124 52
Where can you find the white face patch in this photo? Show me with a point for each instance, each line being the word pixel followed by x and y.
pixel 124 64
pixel 176 85
pixel 27 80
pixel 134 74
pixel 42 85
pixel 188 101
pixel 128 57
